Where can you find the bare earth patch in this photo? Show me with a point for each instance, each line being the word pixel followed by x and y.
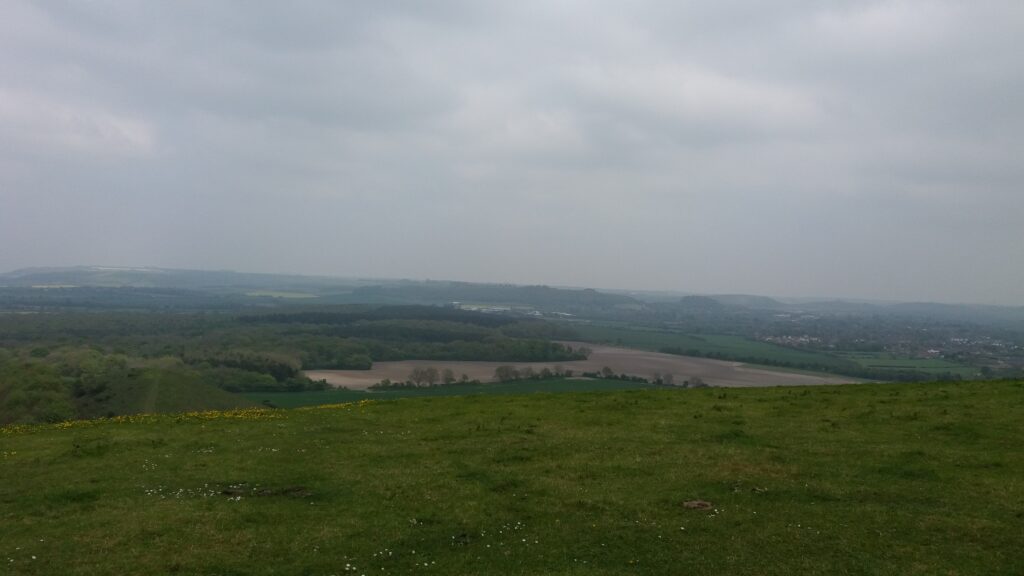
pixel 620 360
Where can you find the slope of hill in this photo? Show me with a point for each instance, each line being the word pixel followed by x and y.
pixel 161 393
pixel 873 479
pixel 86 384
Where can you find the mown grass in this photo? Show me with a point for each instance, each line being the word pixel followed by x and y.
pixel 314 398
pixel 867 479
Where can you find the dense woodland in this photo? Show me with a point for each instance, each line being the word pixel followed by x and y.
pixel 72 364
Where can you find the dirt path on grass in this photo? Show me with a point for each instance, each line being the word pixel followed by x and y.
pixel 620 360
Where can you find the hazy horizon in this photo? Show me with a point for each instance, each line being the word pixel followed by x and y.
pixel 615 289
pixel 863 150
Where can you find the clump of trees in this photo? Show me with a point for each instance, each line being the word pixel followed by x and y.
pixel 428 376
pixel 509 373
pixel 607 373
pixel 657 378
pixel 425 376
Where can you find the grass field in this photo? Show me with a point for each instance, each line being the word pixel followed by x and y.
pixel 738 347
pixel 299 399
pixel 930 365
pixel 869 479
pixel 728 346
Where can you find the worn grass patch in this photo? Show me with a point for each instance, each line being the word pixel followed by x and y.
pixel 869 479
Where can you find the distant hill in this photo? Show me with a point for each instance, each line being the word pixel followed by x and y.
pixel 841 307
pixel 103 287
pixel 749 301
pixel 961 312
pixel 700 304
pixel 544 297
pixel 118 277
pixel 327 290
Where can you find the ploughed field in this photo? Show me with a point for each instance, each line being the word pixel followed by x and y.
pixel 621 360
pixel 871 479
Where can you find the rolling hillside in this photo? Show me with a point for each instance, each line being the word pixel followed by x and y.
pixel 872 479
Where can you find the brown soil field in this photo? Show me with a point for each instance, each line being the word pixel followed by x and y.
pixel 620 360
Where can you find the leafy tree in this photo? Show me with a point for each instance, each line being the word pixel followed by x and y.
pixel 506 373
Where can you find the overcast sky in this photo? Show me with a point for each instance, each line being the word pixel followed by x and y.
pixel 854 148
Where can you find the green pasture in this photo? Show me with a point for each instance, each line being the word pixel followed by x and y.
pixel 705 344
pixel 874 479
pixel 931 365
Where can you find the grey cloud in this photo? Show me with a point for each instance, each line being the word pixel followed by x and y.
pixel 863 148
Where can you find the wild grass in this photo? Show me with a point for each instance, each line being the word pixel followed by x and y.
pixel 867 479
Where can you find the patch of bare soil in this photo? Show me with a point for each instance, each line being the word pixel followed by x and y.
pixel 621 361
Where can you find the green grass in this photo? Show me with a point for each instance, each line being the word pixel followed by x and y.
pixel 738 347
pixel 636 337
pixel 930 365
pixel 315 398
pixel 868 479
pixel 707 344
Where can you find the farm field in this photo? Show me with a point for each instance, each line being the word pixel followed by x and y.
pixel 932 365
pixel 621 360
pixel 705 344
pixel 737 347
pixel 872 479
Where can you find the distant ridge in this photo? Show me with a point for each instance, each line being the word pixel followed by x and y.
pixel 341 290
pixel 749 301
pixel 146 277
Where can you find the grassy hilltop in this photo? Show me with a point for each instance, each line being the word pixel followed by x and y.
pixel 870 479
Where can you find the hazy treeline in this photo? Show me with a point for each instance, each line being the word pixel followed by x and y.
pixel 281 344
pixel 543 297
pixel 834 365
